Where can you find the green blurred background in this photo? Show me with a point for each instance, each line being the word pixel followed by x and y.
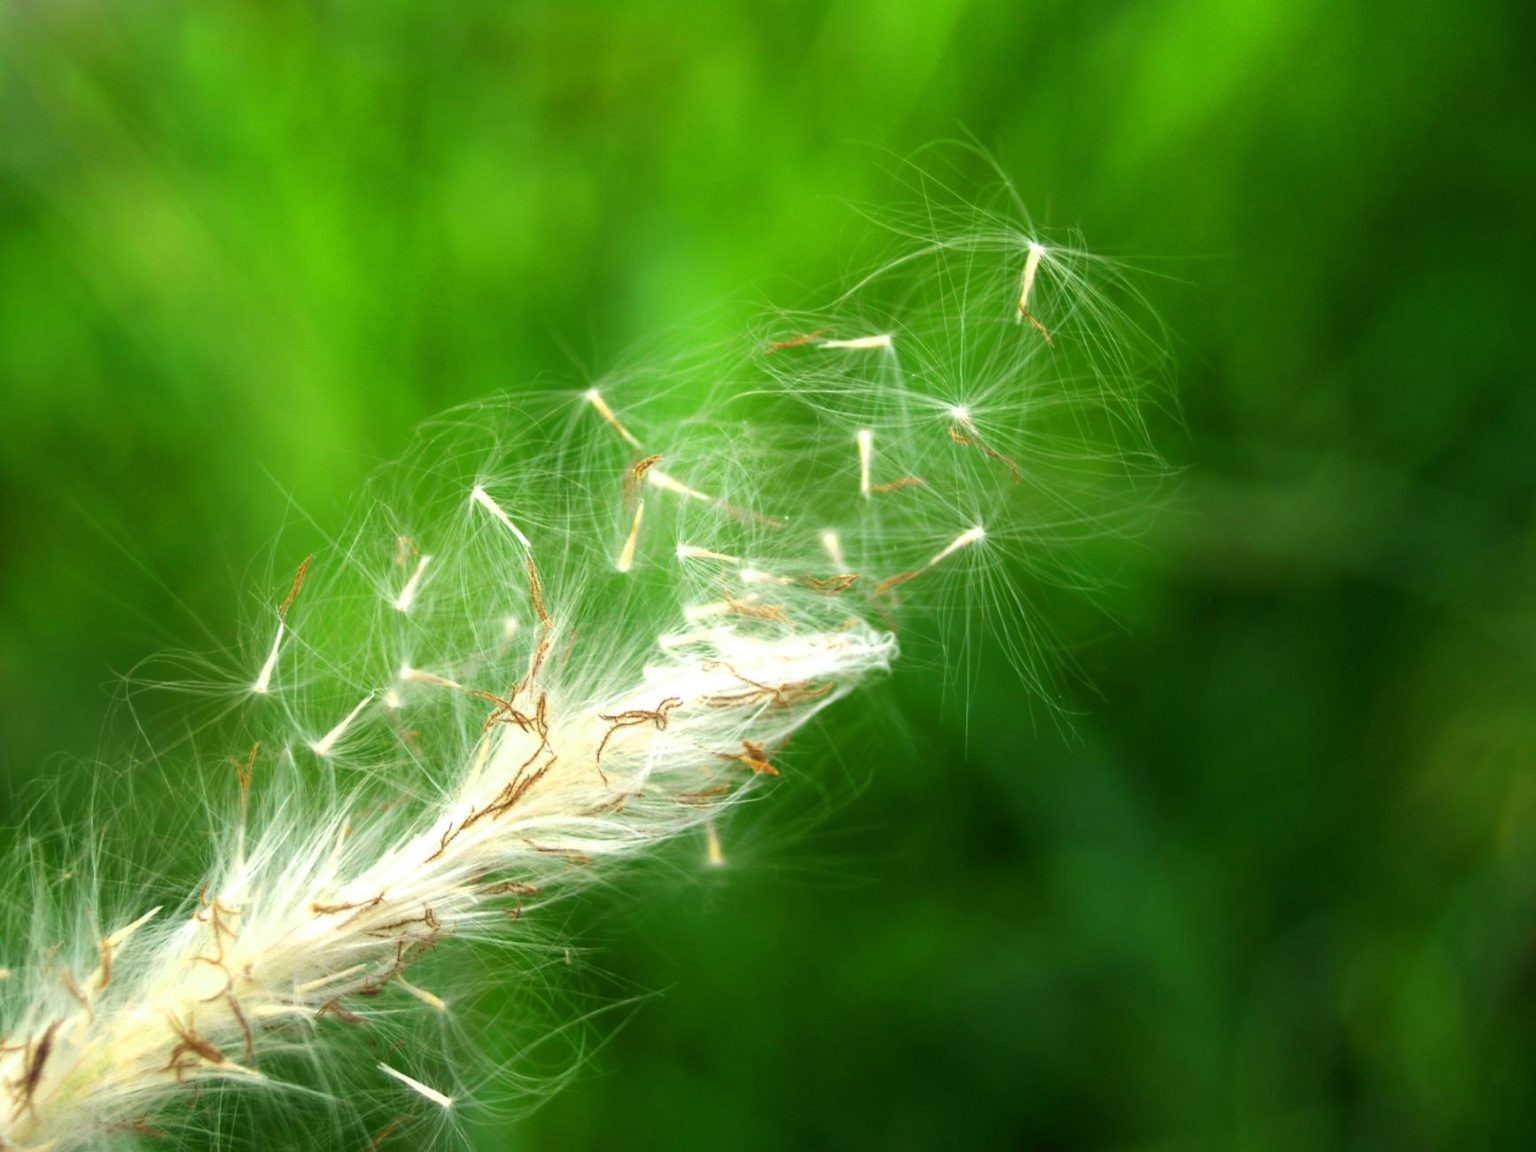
pixel 1277 889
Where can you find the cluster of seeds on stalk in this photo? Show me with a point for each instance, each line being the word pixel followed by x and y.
pixel 392 930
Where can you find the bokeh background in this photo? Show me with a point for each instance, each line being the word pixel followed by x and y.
pixel 1275 888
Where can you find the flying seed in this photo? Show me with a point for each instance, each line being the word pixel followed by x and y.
pixel 510 888
pixel 830 585
pixel 427 998
pixel 866 442
pixel 103 974
pixel 333 1008
pixel 753 756
pixel 636 476
pixel 536 591
pixel 322 747
pixel 1031 266
pixel 386 1132
pixel 243 772
pixel 859 343
pixel 834 548
pixel 656 478
pixel 421 676
pixel 757 576
pixel 668 483
pixel 702 798
pixel 796 341
pixel 898 485
pixel 480 496
pixel 748 608
pixel 264 677
pixel 757 693
pixel 971 438
pixel 330 978
pixel 689 552
pixel 298 583
pixel 595 398
pixel 120 937
pixel 964 540
pixel 407 595
pixel 627 554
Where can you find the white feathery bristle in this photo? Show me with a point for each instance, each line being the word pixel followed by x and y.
pixel 269 665
pixel 480 496
pixel 860 343
pixel 326 743
pixel 407 595
pixel 424 1091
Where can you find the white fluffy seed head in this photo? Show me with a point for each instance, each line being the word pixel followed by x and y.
pixel 569 626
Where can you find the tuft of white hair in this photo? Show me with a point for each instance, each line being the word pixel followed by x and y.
pixel 569 626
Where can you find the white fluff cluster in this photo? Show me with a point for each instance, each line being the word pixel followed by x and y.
pixel 569 626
